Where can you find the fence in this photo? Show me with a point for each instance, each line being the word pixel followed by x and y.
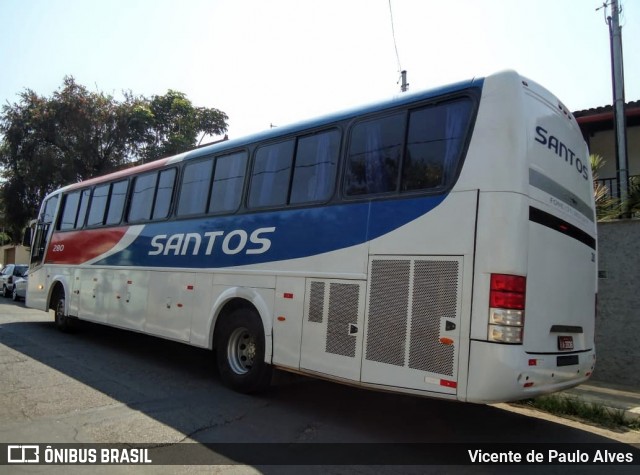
pixel 611 184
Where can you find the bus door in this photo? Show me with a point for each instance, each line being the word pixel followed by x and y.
pixel 412 337
pixel 332 328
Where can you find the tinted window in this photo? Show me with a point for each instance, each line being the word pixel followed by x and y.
pixel 165 193
pixel 375 149
pixel 271 174
pixel 116 202
pixel 144 187
pixel 49 210
pixel 315 168
pixel 70 212
pixel 98 205
pixel 228 180
pixel 195 188
pixel 84 205
pixel 435 138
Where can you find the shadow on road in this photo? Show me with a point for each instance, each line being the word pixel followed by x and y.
pixel 177 385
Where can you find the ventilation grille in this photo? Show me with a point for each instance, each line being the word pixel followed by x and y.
pixel 343 311
pixel 316 302
pixel 435 296
pixel 407 301
pixel 388 305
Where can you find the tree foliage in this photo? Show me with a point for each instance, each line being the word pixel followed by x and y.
pixel 169 124
pixel 76 134
pixel 608 207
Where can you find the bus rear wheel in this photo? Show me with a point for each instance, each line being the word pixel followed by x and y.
pixel 240 352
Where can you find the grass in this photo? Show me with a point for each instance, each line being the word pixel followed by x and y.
pixel 572 407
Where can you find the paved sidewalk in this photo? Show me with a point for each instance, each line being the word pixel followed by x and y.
pixel 609 395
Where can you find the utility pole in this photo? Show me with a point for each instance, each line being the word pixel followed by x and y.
pixel 620 126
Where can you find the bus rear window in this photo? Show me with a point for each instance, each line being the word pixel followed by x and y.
pixel 435 138
pixel 424 146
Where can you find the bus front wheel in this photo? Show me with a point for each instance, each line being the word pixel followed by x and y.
pixel 63 322
pixel 240 352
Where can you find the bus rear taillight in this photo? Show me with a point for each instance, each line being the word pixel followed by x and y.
pixel 506 312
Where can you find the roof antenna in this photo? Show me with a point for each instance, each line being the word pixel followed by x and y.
pixel 403 78
pixel 404 85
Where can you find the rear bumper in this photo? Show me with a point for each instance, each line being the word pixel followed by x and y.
pixel 500 373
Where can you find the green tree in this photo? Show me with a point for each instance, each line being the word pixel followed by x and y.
pixel 76 134
pixel 607 207
pixel 170 124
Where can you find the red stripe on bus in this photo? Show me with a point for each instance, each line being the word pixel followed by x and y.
pixel 76 247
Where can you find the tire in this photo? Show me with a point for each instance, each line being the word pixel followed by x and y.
pixel 62 320
pixel 240 352
pixel 14 295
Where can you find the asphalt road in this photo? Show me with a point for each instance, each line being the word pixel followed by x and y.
pixel 103 385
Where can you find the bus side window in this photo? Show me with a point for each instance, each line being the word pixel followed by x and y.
pixel 70 212
pixel 271 174
pixel 82 210
pixel 228 179
pixel 49 210
pixel 374 155
pixel 194 191
pixel 117 199
pixel 98 205
pixel 164 194
pixel 315 167
pixel 144 187
pixel 107 203
pixel 434 141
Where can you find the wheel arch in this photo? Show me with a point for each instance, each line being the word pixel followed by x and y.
pixel 258 300
pixel 58 287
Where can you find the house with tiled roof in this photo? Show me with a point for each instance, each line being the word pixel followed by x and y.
pixel 617 325
pixel 598 131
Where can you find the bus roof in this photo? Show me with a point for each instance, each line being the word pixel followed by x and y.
pixel 271 134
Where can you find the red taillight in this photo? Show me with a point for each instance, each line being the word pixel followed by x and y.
pixel 506 300
pixel 507 291
pixel 506 308
pixel 509 283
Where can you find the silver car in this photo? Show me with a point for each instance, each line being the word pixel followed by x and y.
pixel 20 288
pixel 9 274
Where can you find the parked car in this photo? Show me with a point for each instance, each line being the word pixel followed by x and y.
pixel 9 275
pixel 20 288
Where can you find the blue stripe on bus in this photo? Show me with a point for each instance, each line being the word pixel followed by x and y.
pixel 213 242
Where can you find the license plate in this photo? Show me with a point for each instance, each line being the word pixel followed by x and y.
pixel 565 343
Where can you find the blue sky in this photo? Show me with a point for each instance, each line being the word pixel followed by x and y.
pixel 278 61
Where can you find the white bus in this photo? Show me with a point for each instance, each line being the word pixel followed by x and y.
pixel 442 243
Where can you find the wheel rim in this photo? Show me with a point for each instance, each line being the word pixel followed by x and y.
pixel 241 350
